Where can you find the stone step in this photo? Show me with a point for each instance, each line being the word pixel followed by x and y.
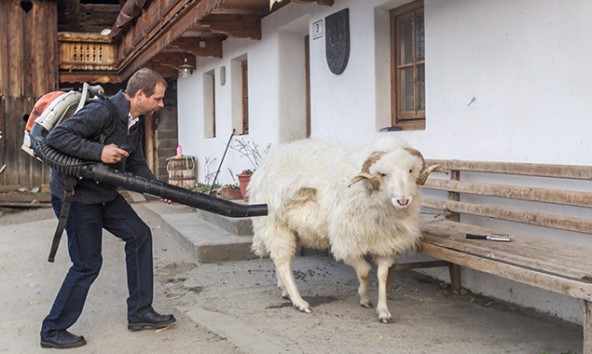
pixel 205 241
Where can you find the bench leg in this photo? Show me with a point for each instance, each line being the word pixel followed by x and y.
pixel 587 328
pixel 455 281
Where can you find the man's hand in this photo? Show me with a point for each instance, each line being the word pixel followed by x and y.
pixel 112 154
pixel 167 201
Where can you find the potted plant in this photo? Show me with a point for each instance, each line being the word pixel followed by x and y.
pixel 230 191
pixel 243 180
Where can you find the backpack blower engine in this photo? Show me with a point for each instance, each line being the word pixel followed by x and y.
pixel 55 107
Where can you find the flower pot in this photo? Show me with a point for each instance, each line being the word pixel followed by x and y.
pixel 243 182
pixel 233 194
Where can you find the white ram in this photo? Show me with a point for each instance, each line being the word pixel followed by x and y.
pixel 314 199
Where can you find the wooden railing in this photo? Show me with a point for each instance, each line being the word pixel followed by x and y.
pixel 86 51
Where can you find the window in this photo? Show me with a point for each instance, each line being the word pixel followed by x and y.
pixel 240 94
pixel 245 96
pixel 408 66
pixel 209 104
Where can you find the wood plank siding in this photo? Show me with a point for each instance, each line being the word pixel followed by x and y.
pixel 27 71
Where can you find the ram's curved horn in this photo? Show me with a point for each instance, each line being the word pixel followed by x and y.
pixel 365 174
pixel 362 176
pixel 425 170
pixel 423 175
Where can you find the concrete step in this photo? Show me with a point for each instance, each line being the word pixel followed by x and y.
pixel 235 226
pixel 206 238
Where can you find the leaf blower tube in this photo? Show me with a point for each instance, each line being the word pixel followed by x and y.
pixel 100 172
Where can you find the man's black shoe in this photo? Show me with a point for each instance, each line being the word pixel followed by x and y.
pixel 62 339
pixel 150 320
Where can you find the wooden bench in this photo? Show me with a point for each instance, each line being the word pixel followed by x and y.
pixel 546 208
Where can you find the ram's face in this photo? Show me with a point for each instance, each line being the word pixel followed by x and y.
pixel 398 172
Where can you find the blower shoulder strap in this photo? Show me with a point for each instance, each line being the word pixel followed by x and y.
pixel 102 136
pixel 71 182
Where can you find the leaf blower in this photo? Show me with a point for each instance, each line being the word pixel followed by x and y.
pixel 55 107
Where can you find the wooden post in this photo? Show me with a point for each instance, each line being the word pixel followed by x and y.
pixel 587 328
pixel 455 279
pixel 454 176
pixel 454 270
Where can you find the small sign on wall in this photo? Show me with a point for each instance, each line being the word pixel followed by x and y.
pixel 317 29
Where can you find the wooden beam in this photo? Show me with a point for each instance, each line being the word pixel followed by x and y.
pixel 203 47
pixel 166 71
pixel 225 10
pixel 516 168
pixel 182 22
pixel 240 26
pixel 554 221
pixel 170 59
pixel 94 77
pixel 542 195
pixel 320 2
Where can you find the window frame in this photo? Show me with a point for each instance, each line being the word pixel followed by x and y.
pixel 209 104
pixel 407 120
pixel 245 95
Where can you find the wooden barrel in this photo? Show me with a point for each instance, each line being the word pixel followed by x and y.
pixel 182 171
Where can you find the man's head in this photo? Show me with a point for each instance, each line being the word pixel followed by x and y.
pixel 145 90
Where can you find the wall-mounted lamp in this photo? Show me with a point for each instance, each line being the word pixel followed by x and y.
pixel 202 43
pixel 186 69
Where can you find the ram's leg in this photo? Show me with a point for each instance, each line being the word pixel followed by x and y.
pixel 363 272
pixel 285 294
pixel 383 263
pixel 282 248
pixel 285 277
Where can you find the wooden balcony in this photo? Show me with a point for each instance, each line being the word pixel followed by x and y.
pixel 86 53
pixel 160 35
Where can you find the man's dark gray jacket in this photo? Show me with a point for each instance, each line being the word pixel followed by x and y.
pixel 76 137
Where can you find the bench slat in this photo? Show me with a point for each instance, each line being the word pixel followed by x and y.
pixel 559 222
pixel 531 277
pixel 526 250
pixel 515 168
pixel 554 196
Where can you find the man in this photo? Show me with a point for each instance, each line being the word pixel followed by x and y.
pixel 96 206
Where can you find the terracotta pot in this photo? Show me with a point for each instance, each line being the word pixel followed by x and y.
pixel 243 182
pixel 233 194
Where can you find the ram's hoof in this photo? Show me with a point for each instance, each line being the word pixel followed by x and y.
pixel 385 316
pixel 386 320
pixel 304 309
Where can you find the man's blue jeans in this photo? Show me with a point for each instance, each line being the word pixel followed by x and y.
pixel 85 231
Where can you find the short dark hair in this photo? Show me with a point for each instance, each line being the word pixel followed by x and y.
pixel 144 79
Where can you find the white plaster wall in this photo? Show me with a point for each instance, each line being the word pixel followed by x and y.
pixel 525 63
